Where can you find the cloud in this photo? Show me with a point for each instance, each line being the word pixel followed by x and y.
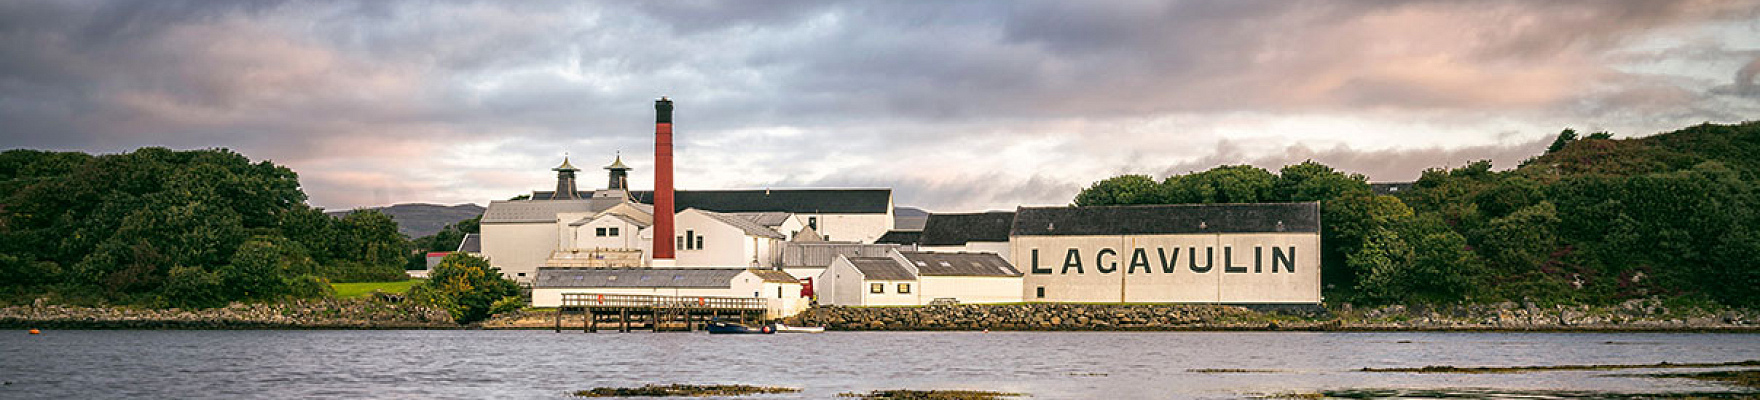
pixel 971 105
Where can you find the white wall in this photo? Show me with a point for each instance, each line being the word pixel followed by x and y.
pixel 862 228
pixel 971 289
pixel 1253 279
pixel 1001 249
pixel 552 297
pixel 891 297
pixel 840 284
pixel 724 245
pixel 586 236
pixel 519 248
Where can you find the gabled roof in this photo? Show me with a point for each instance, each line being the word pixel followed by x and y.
pixel 771 275
pixel 542 210
pixel 901 237
pixel 1168 219
pixel 807 234
pixel 957 229
pixel 820 254
pixel 959 264
pixel 800 201
pixel 768 218
pixel 472 243
pixel 881 269
pixel 625 218
pixel 751 228
pixel 549 277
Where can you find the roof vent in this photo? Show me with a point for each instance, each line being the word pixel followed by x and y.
pixel 1202 225
pixel 1051 226
pixel 1280 226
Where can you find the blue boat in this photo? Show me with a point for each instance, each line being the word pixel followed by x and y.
pixel 718 327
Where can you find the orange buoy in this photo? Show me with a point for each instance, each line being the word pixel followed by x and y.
pixel 36 332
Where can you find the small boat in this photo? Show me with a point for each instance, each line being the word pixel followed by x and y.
pixel 781 328
pixel 718 327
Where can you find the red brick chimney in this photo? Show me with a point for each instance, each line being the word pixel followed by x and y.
pixel 663 235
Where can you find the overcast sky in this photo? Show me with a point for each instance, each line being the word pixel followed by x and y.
pixel 957 106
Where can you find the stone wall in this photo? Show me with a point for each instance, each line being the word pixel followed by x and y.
pixel 380 311
pixel 1635 315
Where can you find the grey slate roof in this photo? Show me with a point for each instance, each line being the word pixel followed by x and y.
pixel 771 275
pixel 549 277
pixel 542 210
pixel 901 237
pixel 820 254
pixel 800 201
pixel 751 228
pixel 957 229
pixel 1168 219
pixel 769 218
pixel 881 269
pixel 473 243
pixel 960 264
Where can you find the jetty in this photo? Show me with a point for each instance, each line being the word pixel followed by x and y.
pixel 683 313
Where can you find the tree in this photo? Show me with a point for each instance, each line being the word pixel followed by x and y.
pixel 1223 184
pixel 465 286
pixel 1312 181
pixel 1120 190
pixel 1564 139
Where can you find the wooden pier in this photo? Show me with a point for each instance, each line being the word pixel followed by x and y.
pixel 682 313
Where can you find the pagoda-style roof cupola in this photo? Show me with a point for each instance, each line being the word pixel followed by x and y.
pixel 565 188
pixel 619 174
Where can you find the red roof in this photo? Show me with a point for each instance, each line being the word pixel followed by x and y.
pixel 438 253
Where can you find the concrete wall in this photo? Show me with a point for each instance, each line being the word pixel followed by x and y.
pixel 519 248
pixel 1229 268
pixel 971 289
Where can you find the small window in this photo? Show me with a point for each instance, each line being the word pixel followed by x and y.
pixel 690 240
pixel 600 232
pixel 1041 292
pixel 522 274
pixel 813 222
pixel 904 288
pixel 612 231
pixel 877 288
pixel 699 243
pixel 681 242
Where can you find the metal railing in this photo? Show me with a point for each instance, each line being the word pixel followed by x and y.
pixel 656 301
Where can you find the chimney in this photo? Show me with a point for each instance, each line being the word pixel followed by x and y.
pixel 565 189
pixel 663 211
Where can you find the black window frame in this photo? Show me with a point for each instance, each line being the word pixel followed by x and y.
pixel 876 288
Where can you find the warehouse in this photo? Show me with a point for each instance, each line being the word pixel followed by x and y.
pixel 913 278
pixel 1201 253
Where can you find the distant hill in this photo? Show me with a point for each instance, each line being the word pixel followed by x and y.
pixel 420 219
pixel 909 218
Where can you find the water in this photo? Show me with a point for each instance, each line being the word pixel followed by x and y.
pixel 541 364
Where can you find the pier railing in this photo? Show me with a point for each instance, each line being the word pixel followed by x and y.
pixel 572 300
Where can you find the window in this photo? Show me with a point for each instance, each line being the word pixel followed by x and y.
pixel 699 243
pixel 813 222
pixel 877 288
pixel 681 242
pixel 522 274
pixel 612 231
pixel 600 232
pixel 904 288
pixel 778 292
pixel 1041 292
pixel 691 240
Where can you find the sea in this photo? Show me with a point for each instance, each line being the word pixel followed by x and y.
pixel 529 364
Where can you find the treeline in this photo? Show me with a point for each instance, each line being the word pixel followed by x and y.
pixel 1594 220
pixel 164 228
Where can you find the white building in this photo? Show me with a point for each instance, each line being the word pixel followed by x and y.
pixel 919 278
pixel 985 232
pixel 613 227
pixel 807 259
pixel 1200 253
pixel 783 292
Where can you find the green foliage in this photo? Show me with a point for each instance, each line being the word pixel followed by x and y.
pixel 179 228
pixel 507 305
pixel 465 286
pixel 361 289
pixel 1224 184
pixel 1121 190
pixel 447 239
pixel 1564 139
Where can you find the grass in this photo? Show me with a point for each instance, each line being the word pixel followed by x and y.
pixel 361 289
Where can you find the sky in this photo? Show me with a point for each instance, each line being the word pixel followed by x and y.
pixel 957 106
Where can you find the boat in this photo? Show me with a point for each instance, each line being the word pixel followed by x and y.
pixel 718 327
pixel 782 328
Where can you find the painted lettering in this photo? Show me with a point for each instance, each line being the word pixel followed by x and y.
pixel 1073 259
pixel 1209 259
pixel 1036 269
pixel 1168 264
pixel 1259 260
pixel 1288 260
pixel 1139 258
pixel 1228 262
pixel 1100 263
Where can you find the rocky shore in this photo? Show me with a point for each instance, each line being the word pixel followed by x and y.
pixel 1635 315
pixel 380 311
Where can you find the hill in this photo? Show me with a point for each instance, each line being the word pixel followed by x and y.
pixel 420 219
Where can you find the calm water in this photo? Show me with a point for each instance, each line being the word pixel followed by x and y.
pixel 541 364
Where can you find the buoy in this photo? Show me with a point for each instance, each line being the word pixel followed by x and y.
pixel 36 332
